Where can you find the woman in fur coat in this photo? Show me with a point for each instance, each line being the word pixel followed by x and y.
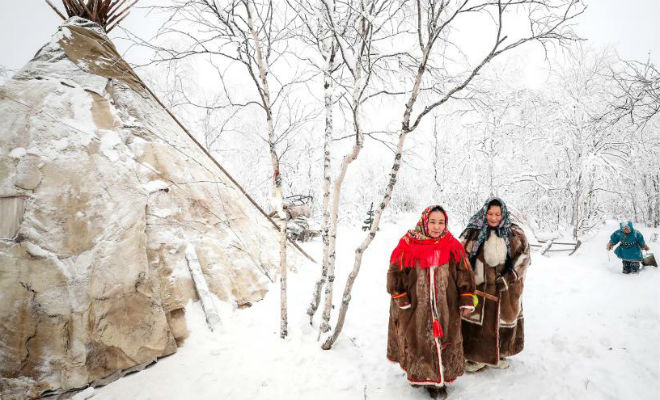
pixel 431 285
pixel 499 256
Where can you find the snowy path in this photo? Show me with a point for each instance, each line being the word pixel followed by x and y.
pixel 591 333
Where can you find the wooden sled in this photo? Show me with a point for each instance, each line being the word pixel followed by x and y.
pixel 649 259
pixel 546 246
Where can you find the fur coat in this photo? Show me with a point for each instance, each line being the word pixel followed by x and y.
pixel 630 244
pixel 496 328
pixel 429 284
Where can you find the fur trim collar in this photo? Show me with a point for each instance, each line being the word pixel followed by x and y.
pixel 495 250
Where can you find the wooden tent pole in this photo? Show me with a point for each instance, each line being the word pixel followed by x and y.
pixel 221 167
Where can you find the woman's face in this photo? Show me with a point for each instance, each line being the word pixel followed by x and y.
pixel 436 224
pixel 494 216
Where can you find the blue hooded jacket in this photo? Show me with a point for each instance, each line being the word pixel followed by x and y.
pixel 630 247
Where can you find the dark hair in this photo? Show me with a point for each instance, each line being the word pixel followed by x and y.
pixel 494 202
pixel 438 208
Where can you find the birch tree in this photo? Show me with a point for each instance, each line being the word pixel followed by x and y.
pixel 594 151
pixel 255 35
pixel 635 101
pixel 316 32
pixel 356 27
pixel 638 91
pixel 547 22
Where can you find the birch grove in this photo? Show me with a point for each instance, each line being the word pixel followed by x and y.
pixel 434 19
pixel 336 90
pixel 371 17
pixel 317 33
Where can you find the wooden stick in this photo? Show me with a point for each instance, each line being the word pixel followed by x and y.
pixel 486 295
pixel 115 6
pixel 103 10
pixel 568 244
pixel 547 246
pixel 107 13
pixel 114 17
pixel 95 8
pixel 56 10
pixel 69 9
pixel 117 23
pixel 202 288
pixel 577 245
pixel 75 6
pixel 89 13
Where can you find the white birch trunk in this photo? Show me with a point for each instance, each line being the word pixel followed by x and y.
pixel 283 286
pixel 656 185
pixel 346 298
pixel 277 179
pixel 328 90
pixel 357 263
pixel 336 193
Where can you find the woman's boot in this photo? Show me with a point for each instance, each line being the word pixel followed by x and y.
pixel 437 392
pixel 471 366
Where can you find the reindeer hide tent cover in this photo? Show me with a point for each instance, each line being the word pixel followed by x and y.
pixel 102 194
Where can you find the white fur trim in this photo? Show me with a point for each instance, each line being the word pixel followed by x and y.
pixel 427 383
pixel 434 308
pixel 470 307
pixel 405 307
pixel 479 273
pixel 494 250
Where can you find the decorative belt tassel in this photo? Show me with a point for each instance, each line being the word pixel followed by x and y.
pixel 437 329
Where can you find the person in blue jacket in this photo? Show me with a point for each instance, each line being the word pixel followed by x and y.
pixel 631 244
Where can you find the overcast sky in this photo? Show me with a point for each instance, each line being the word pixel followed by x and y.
pixel 632 27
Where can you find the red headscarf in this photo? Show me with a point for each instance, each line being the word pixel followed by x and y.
pixel 417 249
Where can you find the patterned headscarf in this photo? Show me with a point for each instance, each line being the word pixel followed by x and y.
pixel 421 230
pixel 480 223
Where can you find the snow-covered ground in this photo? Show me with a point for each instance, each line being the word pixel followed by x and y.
pixel 591 333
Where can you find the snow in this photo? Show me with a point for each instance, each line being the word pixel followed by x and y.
pixel 17 152
pixel 591 333
pixel 84 395
pixel 36 251
pixel 155 185
pixel 109 140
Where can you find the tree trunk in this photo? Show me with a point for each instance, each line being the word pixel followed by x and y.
pixel 346 297
pixel 656 186
pixel 277 178
pixel 336 195
pixel 491 160
pixel 283 286
pixel 650 197
pixel 575 207
pixel 405 123
pixel 328 90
